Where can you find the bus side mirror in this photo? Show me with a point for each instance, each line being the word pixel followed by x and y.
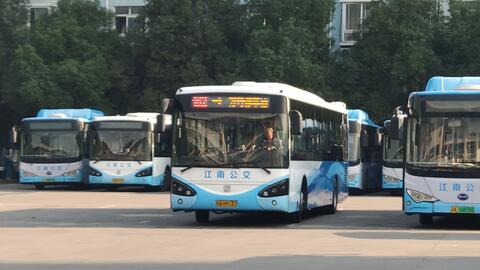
pixel 167 106
pixel 296 121
pixel 378 139
pixel 164 122
pixel 364 139
pixel 387 127
pixel 396 128
pixel 14 133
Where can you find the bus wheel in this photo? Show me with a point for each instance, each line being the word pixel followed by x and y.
pixel 202 216
pixel 167 180
pixel 39 186
pixel 426 219
pixel 332 208
pixel 296 217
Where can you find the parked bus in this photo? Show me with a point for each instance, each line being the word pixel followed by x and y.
pixel 257 147
pixel 442 138
pixel 365 152
pixel 392 170
pixel 53 147
pixel 126 150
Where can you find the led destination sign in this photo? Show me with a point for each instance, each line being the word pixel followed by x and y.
pixel 237 102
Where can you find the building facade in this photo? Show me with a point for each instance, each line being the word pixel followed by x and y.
pixel 348 18
pixel 125 11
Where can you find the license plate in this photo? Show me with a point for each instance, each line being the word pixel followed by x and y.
pixel 49 180
pixel 462 210
pixel 226 203
pixel 117 180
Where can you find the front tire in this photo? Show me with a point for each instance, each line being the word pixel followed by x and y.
pixel 202 216
pixel 167 180
pixel 332 208
pixel 426 219
pixel 296 217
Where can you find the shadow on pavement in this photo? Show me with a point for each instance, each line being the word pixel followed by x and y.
pixel 66 188
pixel 165 218
pixel 278 263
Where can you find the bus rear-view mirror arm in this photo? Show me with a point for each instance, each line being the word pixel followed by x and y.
pixel 296 122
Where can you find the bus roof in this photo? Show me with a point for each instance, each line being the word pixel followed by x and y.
pixel 66 114
pixel 445 84
pixel 88 114
pixel 136 117
pixel 362 117
pixel 268 88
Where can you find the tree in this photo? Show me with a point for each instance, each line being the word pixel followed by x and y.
pixel 184 43
pixel 13 19
pixel 458 43
pixel 288 42
pixel 66 61
pixel 393 56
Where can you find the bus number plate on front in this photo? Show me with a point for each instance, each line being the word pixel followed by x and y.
pixel 226 203
pixel 117 180
pixel 462 210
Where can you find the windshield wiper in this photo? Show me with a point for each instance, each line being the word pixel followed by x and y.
pixel 186 169
pixel 226 165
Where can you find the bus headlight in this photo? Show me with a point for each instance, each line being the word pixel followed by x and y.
pixel 93 172
pixel 352 177
pixel 71 173
pixel 27 174
pixel 391 179
pixel 143 173
pixel 277 189
pixel 179 188
pixel 418 196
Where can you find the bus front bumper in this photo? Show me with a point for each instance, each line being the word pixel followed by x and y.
pixel 130 179
pixel 50 179
pixel 246 201
pixel 438 208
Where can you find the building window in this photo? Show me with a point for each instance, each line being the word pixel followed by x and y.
pixel 125 18
pixel 353 14
pixel 36 14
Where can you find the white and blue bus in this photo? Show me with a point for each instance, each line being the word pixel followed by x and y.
pixel 53 147
pixel 126 150
pixel 442 141
pixel 257 147
pixel 365 152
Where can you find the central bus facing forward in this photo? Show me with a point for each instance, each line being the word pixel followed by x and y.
pixel 257 147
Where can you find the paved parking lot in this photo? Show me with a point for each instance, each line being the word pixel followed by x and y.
pixel 62 228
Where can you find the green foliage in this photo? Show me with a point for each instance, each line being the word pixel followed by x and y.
pixel 289 43
pixel 72 57
pixel 459 42
pixel 394 55
pixel 13 20
pixel 66 60
pixel 186 44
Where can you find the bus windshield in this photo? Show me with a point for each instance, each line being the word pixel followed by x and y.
pixel 452 142
pixel 217 139
pixel 47 145
pixel 121 145
pixel 392 150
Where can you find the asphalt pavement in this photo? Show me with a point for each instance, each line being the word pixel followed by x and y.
pixel 68 228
